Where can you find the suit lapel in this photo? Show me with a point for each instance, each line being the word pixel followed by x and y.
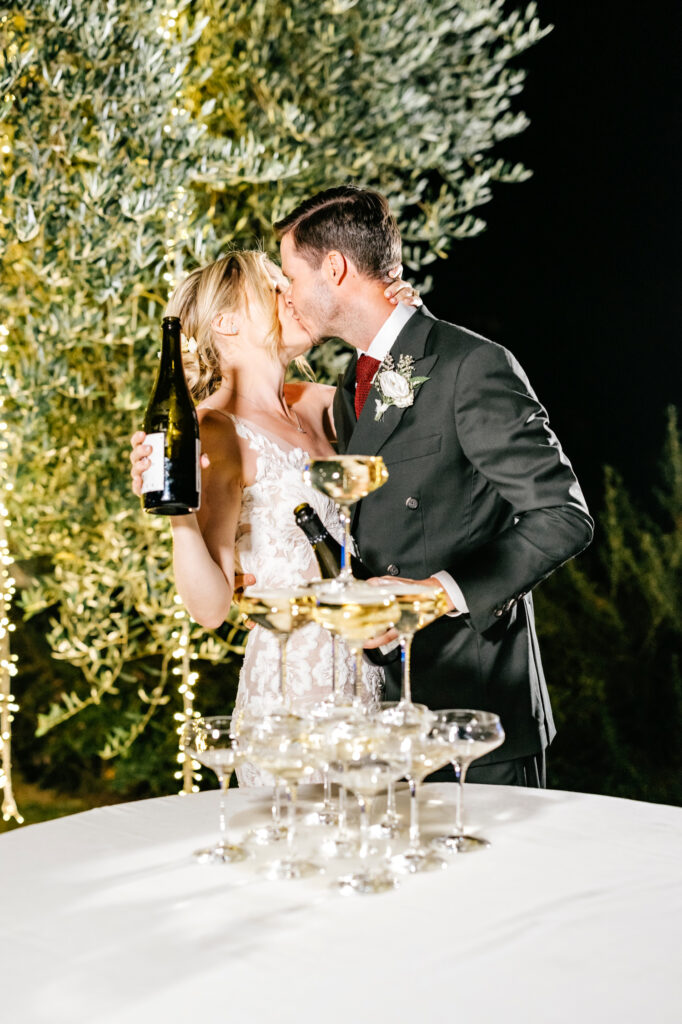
pixel 344 405
pixel 369 436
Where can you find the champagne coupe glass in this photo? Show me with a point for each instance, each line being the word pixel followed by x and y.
pixel 281 611
pixel 407 720
pixel 470 735
pixel 213 742
pixel 324 714
pixel 357 612
pixel 426 754
pixel 336 734
pixel 419 606
pixel 279 746
pixel 313 587
pixel 263 835
pixel 345 479
pixel 367 775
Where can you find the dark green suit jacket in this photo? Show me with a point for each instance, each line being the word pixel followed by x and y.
pixel 478 485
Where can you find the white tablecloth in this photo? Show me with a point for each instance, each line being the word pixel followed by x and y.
pixel 572 915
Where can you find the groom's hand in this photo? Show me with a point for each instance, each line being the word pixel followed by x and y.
pixel 383 581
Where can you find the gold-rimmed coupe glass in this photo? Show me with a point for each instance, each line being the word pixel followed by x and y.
pixel 426 754
pixel 346 479
pixel 278 745
pixel 367 775
pixel 213 742
pixel 357 612
pixel 469 735
pixel 403 719
pixel 419 606
pixel 281 611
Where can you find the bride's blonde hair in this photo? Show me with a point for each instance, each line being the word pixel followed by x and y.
pixel 230 284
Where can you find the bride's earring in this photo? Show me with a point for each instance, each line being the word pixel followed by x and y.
pixel 233 329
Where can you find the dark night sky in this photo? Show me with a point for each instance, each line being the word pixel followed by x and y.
pixel 578 271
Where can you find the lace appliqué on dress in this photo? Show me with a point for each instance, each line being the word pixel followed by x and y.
pixel 271 547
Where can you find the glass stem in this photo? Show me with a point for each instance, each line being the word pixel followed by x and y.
pixel 364 828
pixel 357 680
pixel 391 812
pixel 414 815
pixel 291 817
pixel 277 804
pixel 460 772
pixel 282 641
pixel 346 571
pixel 224 781
pixel 333 691
pixel 343 818
pixel 406 659
pixel 327 804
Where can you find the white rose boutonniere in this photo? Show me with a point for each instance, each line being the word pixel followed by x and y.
pixel 395 384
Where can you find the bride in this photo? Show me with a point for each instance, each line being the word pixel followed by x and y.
pixel 257 434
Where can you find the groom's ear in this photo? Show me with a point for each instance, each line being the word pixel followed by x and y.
pixel 335 267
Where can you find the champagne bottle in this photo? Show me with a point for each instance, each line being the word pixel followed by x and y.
pixel 327 550
pixel 171 486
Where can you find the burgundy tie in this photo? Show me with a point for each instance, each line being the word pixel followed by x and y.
pixel 364 375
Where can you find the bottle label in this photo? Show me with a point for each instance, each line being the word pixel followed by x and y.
pixel 153 477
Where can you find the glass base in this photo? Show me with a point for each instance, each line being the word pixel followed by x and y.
pixel 221 853
pixel 340 847
pixel 460 844
pixel 387 828
pixel 322 817
pixel 292 867
pixel 267 834
pixel 421 859
pixel 366 882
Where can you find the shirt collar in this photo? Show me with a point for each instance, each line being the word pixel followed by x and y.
pixel 382 342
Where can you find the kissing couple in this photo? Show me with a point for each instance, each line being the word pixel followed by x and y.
pixel 480 501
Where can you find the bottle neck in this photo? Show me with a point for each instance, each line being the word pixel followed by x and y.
pixel 171 351
pixel 311 524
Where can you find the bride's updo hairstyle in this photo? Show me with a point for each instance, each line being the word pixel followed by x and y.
pixel 234 283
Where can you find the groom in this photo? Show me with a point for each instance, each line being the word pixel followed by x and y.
pixel 480 498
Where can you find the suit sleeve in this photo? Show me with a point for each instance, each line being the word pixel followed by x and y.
pixel 505 435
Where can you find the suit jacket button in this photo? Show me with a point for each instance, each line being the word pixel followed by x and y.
pixel 498 612
pixel 393 570
pixel 412 502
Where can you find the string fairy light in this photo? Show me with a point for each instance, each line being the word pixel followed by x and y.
pixel 188 771
pixel 175 234
pixel 8 661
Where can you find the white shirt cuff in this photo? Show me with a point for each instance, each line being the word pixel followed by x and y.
pixel 454 592
pixel 390 646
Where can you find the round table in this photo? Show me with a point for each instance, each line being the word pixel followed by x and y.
pixel 573 914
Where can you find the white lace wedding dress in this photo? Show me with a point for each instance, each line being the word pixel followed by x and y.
pixel 271 547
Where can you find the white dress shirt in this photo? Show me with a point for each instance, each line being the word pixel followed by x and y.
pixel 381 345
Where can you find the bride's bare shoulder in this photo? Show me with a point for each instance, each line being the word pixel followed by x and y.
pixel 218 432
pixel 230 456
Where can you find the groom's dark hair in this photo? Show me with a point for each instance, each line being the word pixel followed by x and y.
pixel 355 221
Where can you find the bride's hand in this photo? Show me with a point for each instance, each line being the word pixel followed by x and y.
pixel 139 458
pixel 401 291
